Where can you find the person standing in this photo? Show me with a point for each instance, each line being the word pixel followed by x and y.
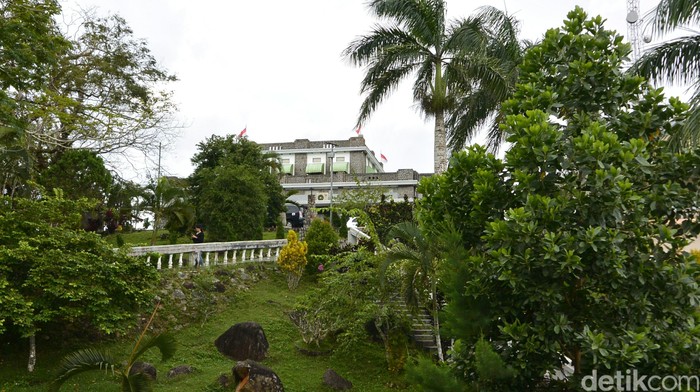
pixel 198 238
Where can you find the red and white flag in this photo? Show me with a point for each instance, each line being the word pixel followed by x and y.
pixel 383 158
pixel 243 131
pixel 359 129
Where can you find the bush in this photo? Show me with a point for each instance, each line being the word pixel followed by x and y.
pixel 292 259
pixel 280 231
pixel 321 237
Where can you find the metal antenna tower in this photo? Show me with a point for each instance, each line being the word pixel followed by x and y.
pixel 633 24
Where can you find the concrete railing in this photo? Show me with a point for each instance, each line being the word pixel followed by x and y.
pixel 212 252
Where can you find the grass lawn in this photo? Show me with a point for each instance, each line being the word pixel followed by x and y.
pixel 265 303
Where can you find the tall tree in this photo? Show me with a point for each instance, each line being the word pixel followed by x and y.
pixel 31 46
pixel 448 60
pixel 107 94
pixel 583 261
pixel 100 90
pixel 250 172
pixel 676 61
pixel 491 75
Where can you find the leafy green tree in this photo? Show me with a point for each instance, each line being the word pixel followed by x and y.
pixel 244 159
pixel 676 60
pixel 31 45
pixel 107 94
pixel 472 59
pixel 80 173
pixel 586 265
pixel 231 203
pixel 54 273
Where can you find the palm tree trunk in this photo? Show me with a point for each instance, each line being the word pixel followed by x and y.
pixel 440 152
pixel 436 324
pixel 32 354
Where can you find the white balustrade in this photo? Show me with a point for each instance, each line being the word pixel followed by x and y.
pixel 251 251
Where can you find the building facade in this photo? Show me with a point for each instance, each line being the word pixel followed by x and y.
pixel 320 170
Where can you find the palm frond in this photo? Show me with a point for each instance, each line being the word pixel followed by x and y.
pixel 79 362
pixel 671 14
pixel 674 61
pixel 380 88
pixel 165 342
pixel 382 42
pixel 425 19
pixel 137 382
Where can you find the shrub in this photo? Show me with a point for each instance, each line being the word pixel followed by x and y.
pixel 321 237
pixel 292 259
pixel 280 231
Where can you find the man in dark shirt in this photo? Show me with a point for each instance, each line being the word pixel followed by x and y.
pixel 198 238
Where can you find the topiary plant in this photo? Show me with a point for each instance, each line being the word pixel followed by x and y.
pixel 321 237
pixel 292 259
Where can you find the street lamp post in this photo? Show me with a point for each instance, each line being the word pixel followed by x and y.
pixel 330 194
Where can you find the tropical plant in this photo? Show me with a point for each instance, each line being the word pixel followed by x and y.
pixel 586 265
pixel 168 200
pixel 131 381
pixel 54 273
pixel 351 303
pixel 457 65
pixel 418 259
pixel 676 61
pixel 292 259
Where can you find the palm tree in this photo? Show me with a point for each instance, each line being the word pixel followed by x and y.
pixel 91 359
pixel 676 61
pixel 491 73
pixel 447 60
pixel 418 260
pixel 168 201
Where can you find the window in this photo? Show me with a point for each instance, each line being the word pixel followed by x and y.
pixel 340 159
pixel 285 160
pixel 316 160
pixel 287 168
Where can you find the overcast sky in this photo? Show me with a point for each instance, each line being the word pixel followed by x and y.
pixel 275 66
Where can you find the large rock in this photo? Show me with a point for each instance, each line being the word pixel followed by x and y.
pixel 243 341
pixel 251 376
pixel 146 368
pixel 335 381
pixel 180 370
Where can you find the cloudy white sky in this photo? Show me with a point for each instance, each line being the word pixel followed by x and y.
pixel 275 66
